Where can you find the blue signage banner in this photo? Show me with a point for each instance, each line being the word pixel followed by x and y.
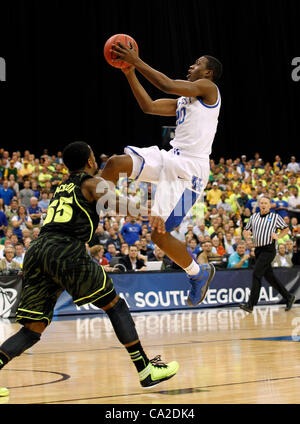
pixel 155 291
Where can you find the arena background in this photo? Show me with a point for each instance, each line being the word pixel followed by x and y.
pixel 59 87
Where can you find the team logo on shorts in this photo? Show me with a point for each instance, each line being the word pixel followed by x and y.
pixel 197 184
pixel 7 300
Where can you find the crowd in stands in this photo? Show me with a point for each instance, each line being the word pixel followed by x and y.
pixel 212 231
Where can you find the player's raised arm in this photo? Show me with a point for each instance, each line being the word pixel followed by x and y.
pixel 199 81
pixel 162 107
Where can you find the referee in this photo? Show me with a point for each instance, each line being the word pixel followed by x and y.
pixel 263 226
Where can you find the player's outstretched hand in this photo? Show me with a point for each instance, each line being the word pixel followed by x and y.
pixel 124 53
pixel 156 222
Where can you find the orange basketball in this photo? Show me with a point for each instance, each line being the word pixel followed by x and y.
pixel 124 39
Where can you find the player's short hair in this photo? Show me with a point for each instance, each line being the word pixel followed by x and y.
pixel 214 65
pixel 75 155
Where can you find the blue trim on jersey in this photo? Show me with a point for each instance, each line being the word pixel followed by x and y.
pixel 143 164
pixel 209 106
pixel 184 204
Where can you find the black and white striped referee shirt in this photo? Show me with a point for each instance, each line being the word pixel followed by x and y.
pixel 263 225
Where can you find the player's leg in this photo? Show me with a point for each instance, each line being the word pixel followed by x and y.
pixel 89 283
pixel 258 273
pixel 174 198
pixel 116 165
pixel 276 284
pixel 144 164
pixel 151 372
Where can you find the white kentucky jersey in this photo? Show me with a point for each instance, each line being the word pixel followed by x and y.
pixel 196 126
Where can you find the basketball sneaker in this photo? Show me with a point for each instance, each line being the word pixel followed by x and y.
pixel 157 371
pixel 4 391
pixel 200 283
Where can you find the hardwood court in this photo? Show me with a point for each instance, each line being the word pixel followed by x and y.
pixel 225 356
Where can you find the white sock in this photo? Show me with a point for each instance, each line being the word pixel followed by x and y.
pixel 193 268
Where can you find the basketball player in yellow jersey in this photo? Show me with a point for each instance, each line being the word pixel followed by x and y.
pixel 181 174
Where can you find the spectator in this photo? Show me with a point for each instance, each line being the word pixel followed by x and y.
pixel 207 256
pixel 13 184
pixel 178 233
pixel 27 241
pixel 26 194
pixel 193 248
pixel 289 245
pixel 145 250
pixel 97 253
pixel 293 166
pixel 131 261
pixel 6 193
pixel 35 232
pixel 228 243
pixel 293 202
pixel 111 252
pixel 35 189
pixel 113 238
pixel 7 243
pixel 20 222
pixel 11 170
pixel 44 176
pixel 252 203
pixel 200 229
pixel 131 231
pixel 160 256
pixel 124 250
pixel 8 233
pixel 8 263
pixel 34 212
pixel 150 243
pixel 281 206
pixel 224 203
pixel 214 195
pixel 100 236
pixel 239 259
pixel 44 203
pixel 282 259
pixel 3 219
pixel 277 163
pixel 217 246
pixel 140 255
pixel 14 240
pixel 19 254
pixel 26 170
pixel 243 199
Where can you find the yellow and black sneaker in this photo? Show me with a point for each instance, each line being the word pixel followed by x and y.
pixel 157 371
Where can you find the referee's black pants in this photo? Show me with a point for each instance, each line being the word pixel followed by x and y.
pixel 264 256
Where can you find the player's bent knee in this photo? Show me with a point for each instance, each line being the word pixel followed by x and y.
pixel 37 327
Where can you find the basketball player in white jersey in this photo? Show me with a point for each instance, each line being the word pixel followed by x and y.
pixel 181 174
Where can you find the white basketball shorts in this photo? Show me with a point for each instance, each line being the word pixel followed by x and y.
pixel 180 178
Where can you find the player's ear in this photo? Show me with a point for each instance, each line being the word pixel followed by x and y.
pixel 209 73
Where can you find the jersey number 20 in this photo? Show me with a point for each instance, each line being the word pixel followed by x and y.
pixel 180 115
